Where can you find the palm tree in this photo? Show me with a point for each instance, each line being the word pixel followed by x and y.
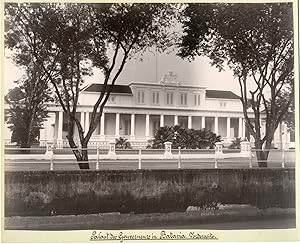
pixel 122 143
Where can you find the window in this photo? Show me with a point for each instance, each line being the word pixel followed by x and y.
pixel 183 99
pixel 127 127
pixel 156 125
pixel 169 98
pixel 197 99
pixel 222 104
pixel 141 97
pixel 155 97
pixel 182 124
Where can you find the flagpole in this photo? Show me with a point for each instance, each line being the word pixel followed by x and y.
pixel 156 64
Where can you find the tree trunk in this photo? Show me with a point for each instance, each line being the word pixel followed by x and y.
pixel 31 122
pixel 81 155
pixel 83 158
pixel 261 155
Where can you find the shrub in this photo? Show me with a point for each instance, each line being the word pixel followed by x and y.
pixel 122 143
pixel 206 139
pixel 235 143
pixel 184 138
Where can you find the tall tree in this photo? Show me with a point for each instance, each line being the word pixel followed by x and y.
pixel 256 42
pixel 289 117
pixel 28 107
pixel 67 40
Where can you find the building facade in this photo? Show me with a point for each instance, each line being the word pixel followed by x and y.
pixel 137 110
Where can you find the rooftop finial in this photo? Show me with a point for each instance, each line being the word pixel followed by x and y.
pixel 170 77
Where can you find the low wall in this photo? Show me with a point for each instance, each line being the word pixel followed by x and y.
pixel 142 191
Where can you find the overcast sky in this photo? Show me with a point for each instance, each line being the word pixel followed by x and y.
pixel 198 72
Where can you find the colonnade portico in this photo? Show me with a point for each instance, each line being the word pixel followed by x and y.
pixel 136 110
pixel 141 126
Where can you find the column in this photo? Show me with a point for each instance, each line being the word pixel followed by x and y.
pixel 190 122
pixel 60 130
pixel 147 129
pixel 216 125
pixel 43 137
pixel 82 120
pixel 162 122
pixel 49 127
pixel 60 125
pixel 175 119
pixel 240 127
pixel 102 125
pixel 288 138
pixel 202 122
pixel 285 129
pixel 117 131
pixel 244 128
pixel 132 126
pixel 281 135
pixel 87 122
pixel 228 127
pixel 147 132
pixel 262 128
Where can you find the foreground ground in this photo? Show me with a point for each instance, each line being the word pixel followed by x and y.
pixel 232 217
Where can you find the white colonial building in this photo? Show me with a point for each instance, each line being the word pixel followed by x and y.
pixel 136 110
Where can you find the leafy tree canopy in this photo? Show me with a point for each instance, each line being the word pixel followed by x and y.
pixel 27 107
pixel 256 41
pixel 66 40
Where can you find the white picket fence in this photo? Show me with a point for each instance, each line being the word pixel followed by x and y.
pixel 214 155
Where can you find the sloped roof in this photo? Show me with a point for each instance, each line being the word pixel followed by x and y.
pixel 221 94
pixel 116 88
pixel 124 89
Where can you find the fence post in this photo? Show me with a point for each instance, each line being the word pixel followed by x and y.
pixel 49 153
pixel 179 157
pixel 218 152
pixel 216 161
pixel 246 151
pixel 283 158
pixel 97 163
pixel 51 160
pixel 112 150
pixel 49 149
pixel 168 149
pixel 250 162
pixel 140 157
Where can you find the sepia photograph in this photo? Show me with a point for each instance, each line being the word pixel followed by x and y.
pixel 149 121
